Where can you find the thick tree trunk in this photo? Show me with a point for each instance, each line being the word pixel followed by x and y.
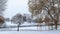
pixel 56 25
pixel 56 21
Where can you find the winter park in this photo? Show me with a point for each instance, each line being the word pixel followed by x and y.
pixel 29 16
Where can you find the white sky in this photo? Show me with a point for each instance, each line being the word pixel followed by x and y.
pixel 16 6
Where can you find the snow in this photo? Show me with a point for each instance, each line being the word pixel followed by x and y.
pixel 26 30
pixel 30 32
pixel 13 8
pixel 31 28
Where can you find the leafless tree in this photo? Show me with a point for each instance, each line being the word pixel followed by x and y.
pixel 18 19
pixel 2 6
pixel 1 20
pixel 37 6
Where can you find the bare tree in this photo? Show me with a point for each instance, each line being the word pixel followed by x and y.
pixel 2 6
pixel 48 5
pixel 35 6
pixel 1 20
pixel 17 19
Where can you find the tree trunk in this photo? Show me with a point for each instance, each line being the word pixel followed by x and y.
pixel 56 25
pixel 18 27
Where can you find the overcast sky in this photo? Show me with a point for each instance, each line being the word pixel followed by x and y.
pixel 16 6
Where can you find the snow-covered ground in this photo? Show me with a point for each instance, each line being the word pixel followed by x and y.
pixel 26 30
pixel 31 28
pixel 30 32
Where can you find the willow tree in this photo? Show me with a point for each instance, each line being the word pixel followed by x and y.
pixel 37 6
